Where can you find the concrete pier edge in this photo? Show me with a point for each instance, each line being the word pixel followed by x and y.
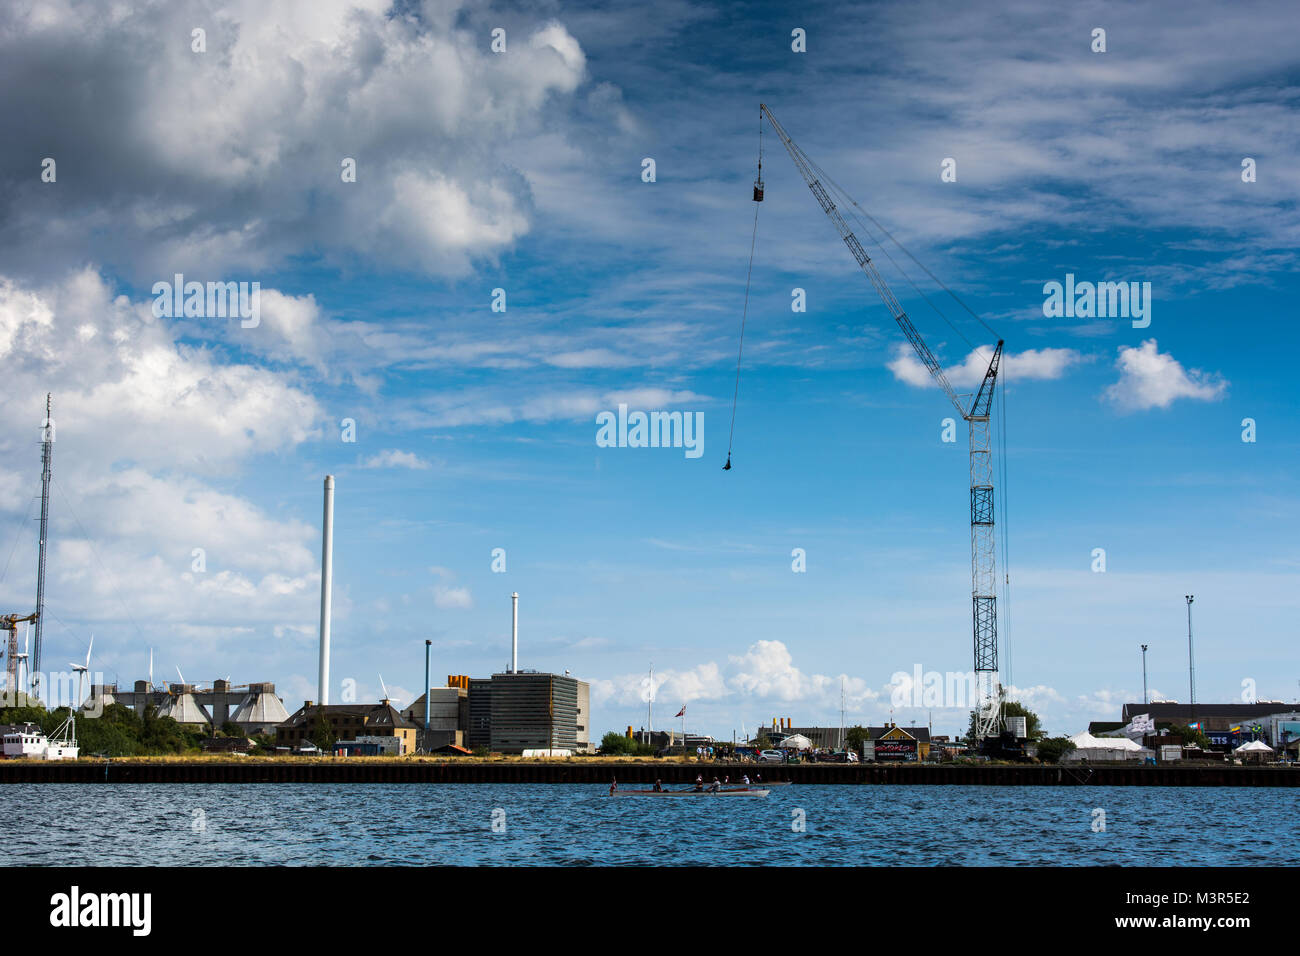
pixel 577 771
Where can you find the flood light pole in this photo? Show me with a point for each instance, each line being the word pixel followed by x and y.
pixel 427 645
pixel 1146 699
pixel 1191 657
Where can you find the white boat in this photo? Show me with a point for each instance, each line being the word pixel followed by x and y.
pixel 29 742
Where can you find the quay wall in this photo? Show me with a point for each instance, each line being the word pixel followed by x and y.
pixel 633 774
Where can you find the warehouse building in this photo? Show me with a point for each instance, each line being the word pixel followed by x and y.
pixel 1210 716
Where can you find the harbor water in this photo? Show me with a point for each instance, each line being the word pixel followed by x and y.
pixel 539 824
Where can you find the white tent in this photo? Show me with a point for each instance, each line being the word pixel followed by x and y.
pixel 796 742
pixel 1090 748
pixel 1255 746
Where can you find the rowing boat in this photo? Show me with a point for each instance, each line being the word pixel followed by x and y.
pixel 740 792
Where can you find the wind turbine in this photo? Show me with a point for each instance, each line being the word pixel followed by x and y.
pixel 65 737
pixel 384 686
pixel 80 670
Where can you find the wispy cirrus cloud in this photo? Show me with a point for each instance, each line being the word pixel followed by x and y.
pixel 395 458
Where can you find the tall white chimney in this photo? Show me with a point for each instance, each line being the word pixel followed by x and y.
pixel 326 588
pixel 514 633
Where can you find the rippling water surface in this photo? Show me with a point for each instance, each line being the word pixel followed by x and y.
pixel 424 824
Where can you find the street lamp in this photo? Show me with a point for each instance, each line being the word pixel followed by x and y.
pixel 1191 657
pixel 1146 699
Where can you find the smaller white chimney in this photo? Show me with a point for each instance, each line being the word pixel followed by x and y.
pixel 326 588
pixel 514 633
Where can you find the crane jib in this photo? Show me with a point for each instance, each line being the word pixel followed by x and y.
pixel 988 718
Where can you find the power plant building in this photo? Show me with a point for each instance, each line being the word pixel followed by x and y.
pixel 478 732
pixel 255 708
pixel 509 713
pixel 539 712
pixel 447 709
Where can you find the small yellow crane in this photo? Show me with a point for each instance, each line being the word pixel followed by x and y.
pixel 10 622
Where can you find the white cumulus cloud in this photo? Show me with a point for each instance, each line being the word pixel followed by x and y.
pixel 1036 364
pixel 1153 379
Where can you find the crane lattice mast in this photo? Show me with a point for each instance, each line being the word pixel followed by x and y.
pixel 47 454
pixel 983 542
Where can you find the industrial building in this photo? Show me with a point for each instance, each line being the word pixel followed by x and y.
pixel 516 712
pixel 532 711
pixel 510 713
pixel 1210 715
pixel 1226 726
pixel 659 739
pixel 253 707
pixel 447 711
pixel 478 732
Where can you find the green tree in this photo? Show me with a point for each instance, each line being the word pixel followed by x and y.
pixel 323 735
pixel 855 737
pixel 622 745
pixel 1052 749
pixel 163 735
pixel 1010 708
pixel 26 715
pixel 232 729
pixel 1190 737
pixel 115 732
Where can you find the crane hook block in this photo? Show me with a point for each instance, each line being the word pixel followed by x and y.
pixel 758 190
pixel 727 466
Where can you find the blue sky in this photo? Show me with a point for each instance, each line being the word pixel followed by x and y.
pixel 476 429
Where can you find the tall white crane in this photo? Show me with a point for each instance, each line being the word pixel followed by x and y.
pixel 984 614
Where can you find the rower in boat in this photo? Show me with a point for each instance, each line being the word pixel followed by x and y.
pixel 659 787
pixel 613 785
pixel 715 786
pixel 699 783
pixel 745 779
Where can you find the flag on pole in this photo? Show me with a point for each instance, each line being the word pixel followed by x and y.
pixel 682 712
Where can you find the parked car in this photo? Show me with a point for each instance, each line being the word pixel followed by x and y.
pixel 771 756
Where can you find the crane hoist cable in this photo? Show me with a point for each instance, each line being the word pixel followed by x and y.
pixel 836 187
pixel 866 221
pixel 744 313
